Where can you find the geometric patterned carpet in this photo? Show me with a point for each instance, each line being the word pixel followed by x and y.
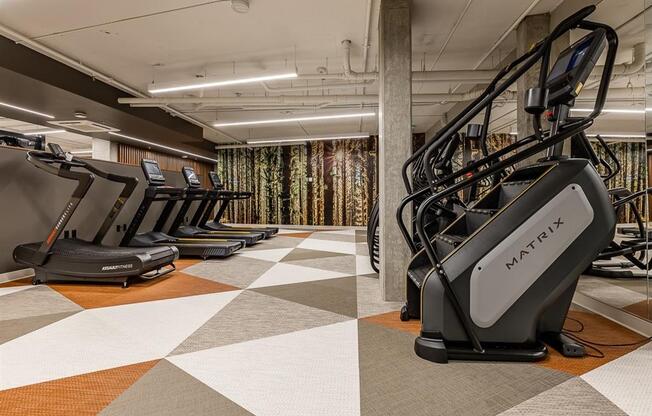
pixel 292 326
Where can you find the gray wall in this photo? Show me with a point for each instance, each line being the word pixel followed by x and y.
pixel 31 200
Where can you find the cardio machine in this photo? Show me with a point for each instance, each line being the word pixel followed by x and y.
pixel 158 191
pixel 194 192
pixel 73 259
pixel 218 193
pixel 497 283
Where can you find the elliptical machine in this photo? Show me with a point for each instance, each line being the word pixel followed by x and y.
pixel 498 281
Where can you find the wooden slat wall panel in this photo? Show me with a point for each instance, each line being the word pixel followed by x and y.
pixel 131 155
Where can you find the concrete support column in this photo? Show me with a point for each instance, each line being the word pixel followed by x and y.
pixel 531 30
pixel 395 126
pixel 105 150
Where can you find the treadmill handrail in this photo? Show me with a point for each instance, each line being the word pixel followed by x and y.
pixel 45 161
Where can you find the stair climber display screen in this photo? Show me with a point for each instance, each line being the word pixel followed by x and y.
pixel 503 275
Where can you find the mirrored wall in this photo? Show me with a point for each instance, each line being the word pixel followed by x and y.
pixel 620 277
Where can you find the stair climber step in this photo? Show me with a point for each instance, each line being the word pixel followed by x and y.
pixel 476 218
pixel 510 190
pixel 418 274
pixel 446 243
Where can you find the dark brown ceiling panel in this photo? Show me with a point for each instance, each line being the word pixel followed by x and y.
pixel 31 80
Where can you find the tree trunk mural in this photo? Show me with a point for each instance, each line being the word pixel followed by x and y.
pixel 320 183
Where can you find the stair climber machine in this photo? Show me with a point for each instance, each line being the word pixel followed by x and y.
pixel 207 207
pixel 73 259
pixel 158 191
pixel 497 282
pixel 194 192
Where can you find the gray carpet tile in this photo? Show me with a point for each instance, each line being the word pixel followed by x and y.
pixel 334 295
pixel 370 301
pixel 37 301
pixel 574 397
pixel 394 381
pixel 277 242
pixel 307 254
pixel 14 328
pixel 168 390
pixel 350 238
pixel 253 315
pixel 343 264
pixel 361 249
pixel 235 271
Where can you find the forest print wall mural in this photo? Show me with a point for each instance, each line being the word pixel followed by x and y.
pixel 319 183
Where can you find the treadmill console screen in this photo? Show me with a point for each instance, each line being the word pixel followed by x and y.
pixel 152 172
pixel 215 180
pixel 573 67
pixel 191 177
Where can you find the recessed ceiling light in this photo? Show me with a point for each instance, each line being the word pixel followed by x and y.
pixel 294 119
pixel 240 6
pixel 27 110
pixel 204 84
pixel 161 146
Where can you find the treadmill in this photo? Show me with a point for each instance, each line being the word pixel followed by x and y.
pixel 158 191
pixel 203 213
pixel 194 192
pixel 73 259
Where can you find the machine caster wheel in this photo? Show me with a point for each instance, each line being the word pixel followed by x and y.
pixel 35 282
pixel 404 314
pixel 124 285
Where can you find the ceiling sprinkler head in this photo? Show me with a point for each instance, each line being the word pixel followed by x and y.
pixel 240 6
pixel 322 70
pixel 80 114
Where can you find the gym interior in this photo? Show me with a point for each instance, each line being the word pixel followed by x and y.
pixel 343 207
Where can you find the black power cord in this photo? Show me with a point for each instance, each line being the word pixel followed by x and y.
pixel 592 345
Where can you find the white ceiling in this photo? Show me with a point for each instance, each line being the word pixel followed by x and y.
pixel 141 41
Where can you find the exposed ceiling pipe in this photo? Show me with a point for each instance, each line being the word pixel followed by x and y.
pixel 79 66
pixel 306 88
pixel 301 100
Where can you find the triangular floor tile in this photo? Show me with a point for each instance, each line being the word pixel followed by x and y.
pixel 13 289
pixel 327 245
pixel 306 254
pixel 151 395
pixel 175 285
pixel 14 328
pixel 103 338
pixel 363 265
pixel 274 255
pixel 236 270
pixel 574 397
pixel 335 295
pixel 283 273
pixel 342 264
pixel 626 381
pixel 387 358
pixel 84 394
pixel 370 300
pixel 312 372
pixel 252 315
pixel 37 301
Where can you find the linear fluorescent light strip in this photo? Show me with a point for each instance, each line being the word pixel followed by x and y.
pixel 309 139
pixel 215 84
pixel 611 110
pixel 124 136
pixel 27 110
pixel 295 119
pixel 42 133
pixel 618 135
